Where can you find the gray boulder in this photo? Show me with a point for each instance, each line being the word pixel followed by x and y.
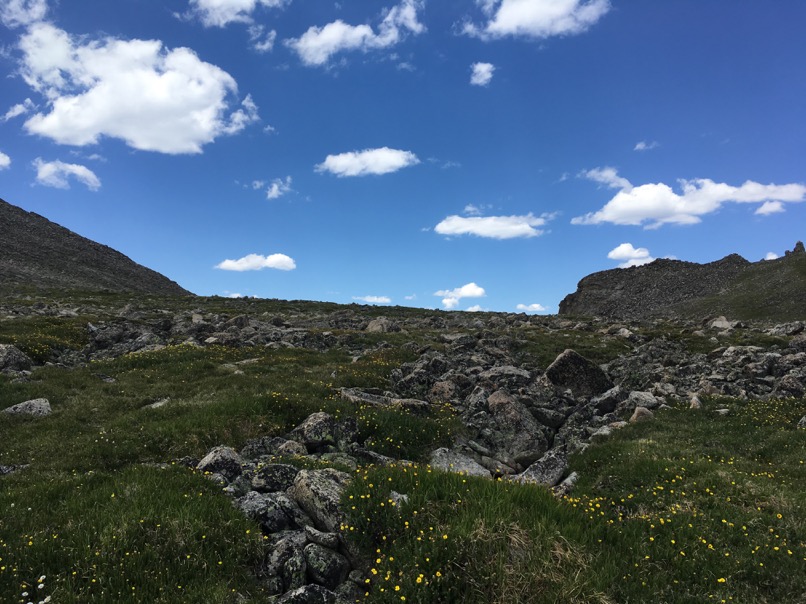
pixel 273 511
pixel 382 325
pixel 318 493
pixel 308 594
pixel 274 477
pixel 285 565
pixel 325 566
pixel 548 470
pixel 570 370
pixel 451 461
pixel 520 436
pixel 321 430
pixel 641 414
pixel 38 407
pixel 222 460
pixel 13 359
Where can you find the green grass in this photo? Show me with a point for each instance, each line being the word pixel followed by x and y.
pixel 101 521
pixel 680 510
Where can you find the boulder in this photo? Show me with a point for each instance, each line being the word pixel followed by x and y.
pixel 13 359
pixel 318 430
pixel 382 325
pixel 285 564
pixel 308 594
pixel 641 414
pixel 519 436
pixel 451 461
pixel 38 407
pixel 222 460
pixel 274 477
pixel 570 370
pixel 273 511
pixel 325 566
pixel 548 470
pixel 318 492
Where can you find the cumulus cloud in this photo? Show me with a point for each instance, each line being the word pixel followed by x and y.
pixel 536 19
pixel 653 205
pixel 278 188
pixel 16 13
pixel 373 299
pixel 493 227
pixel 369 161
pixel 256 262
pixel 18 109
pixel 645 146
pixel 771 256
pixel 482 73
pixel 318 44
pixel 531 307
pixel 5 161
pixel 451 297
pixel 219 13
pixel 56 173
pixel 770 207
pixel 474 308
pixel 630 255
pixel 152 98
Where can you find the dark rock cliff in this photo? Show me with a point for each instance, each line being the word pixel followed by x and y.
pixel 38 253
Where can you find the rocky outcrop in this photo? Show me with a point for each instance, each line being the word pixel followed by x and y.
pixel 40 254
pixel 732 286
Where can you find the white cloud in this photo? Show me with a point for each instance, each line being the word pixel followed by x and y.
pixel 451 297
pixel 234 295
pixel 645 146
pixel 607 176
pixel 472 209
pixel 531 307
pixel 18 109
pixel 411 297
pixel 318 44
pixel 14 13
pixel 653 205
pixel 56 173
pixel 153 98
pixel 770 207
pixel 369 161
pixel 632 256
pixel 475 308
pixel 494 227
pixel 219 13
pixel 482 73
pixel 261 41
pixel 373 299
pixel 278 188
pixel 256 262
pixel 5 161
pixel 771 256
pixel 536 18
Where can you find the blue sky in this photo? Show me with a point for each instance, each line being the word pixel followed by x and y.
pixel 437 153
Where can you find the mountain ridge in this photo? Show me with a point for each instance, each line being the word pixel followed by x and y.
pixel 767 289
pixel 36 252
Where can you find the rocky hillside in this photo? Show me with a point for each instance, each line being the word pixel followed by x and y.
pixel 35 252
pixel 767 290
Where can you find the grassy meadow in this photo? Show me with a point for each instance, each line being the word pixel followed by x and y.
pixel 693 507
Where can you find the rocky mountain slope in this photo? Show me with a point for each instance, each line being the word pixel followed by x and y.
pixel 35 252
pixel 732 286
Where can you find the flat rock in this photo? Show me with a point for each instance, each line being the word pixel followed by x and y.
pixel 548 470
pixel 38 407
pixel 451 461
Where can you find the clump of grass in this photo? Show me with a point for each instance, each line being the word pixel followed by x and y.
pixel 711 513
pixel 141 535
pixel 466 539
pixel 41 338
